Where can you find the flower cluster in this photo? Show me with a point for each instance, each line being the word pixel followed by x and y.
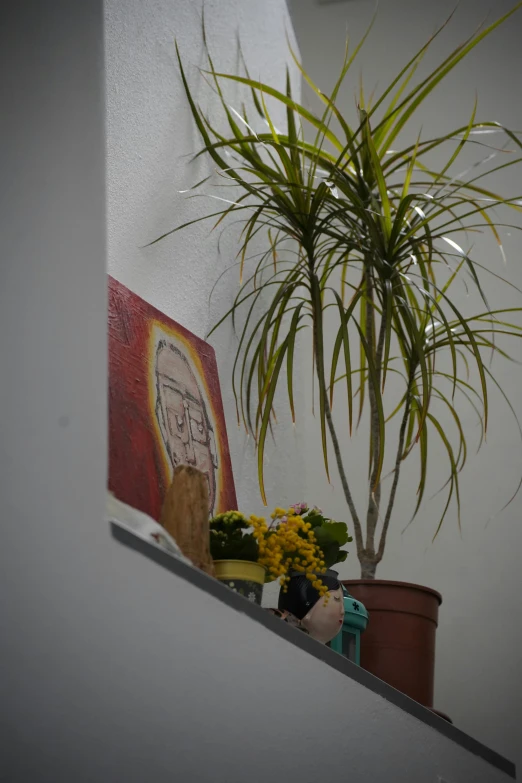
pixel 288 544
pixel 230 520
pixel 298 538
pixel 300 508
pixel 230 539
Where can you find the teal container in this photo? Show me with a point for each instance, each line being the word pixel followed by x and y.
pixel 348 640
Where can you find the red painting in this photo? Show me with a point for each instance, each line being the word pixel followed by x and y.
pixel 165 407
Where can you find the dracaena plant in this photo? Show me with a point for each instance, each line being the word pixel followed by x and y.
pixel 374 229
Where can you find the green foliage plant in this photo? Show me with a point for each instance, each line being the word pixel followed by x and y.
pixel 296 539
pixel 375 227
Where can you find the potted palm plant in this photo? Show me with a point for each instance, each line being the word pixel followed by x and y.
pixel 375 237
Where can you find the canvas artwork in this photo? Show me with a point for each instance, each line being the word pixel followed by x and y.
pixel 165 407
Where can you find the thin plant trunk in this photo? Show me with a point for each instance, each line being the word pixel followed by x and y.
pixel 319 365
pixel 368 560
pixel 369 556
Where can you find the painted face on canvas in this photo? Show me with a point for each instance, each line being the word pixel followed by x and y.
pixel 187 433
pixel 323 622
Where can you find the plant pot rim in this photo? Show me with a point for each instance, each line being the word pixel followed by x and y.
pixel 328 572
pixel 246 570
pixel 392 583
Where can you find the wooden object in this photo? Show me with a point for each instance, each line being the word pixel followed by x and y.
pixel 185 515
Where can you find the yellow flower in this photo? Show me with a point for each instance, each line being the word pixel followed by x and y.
pixel 288 544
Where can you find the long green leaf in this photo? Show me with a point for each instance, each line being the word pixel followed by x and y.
pixel 266 419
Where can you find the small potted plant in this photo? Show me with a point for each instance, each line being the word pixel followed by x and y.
pixel 298 540
pixel 300 596
pixel 235 552
pixel 329 534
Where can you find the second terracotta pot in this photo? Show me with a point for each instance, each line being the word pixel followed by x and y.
pixel 398 645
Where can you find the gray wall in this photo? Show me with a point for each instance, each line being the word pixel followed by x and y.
pixel 55 564
pixel 479 640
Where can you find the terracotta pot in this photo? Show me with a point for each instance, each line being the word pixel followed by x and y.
pixel 398 645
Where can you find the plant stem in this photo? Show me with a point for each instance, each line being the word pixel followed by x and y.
pixel 397 469
pixel 374 496
pixel 344 482
pixel 319 364
pixel 368 557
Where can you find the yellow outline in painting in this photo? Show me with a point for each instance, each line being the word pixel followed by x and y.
pixel 156 327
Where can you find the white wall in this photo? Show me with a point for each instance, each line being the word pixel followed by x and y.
pixel 479 639
pixel 97 641
pixel 226 699
pixel 151 136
